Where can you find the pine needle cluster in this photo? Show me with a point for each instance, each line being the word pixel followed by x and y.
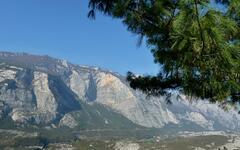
pixel 195 42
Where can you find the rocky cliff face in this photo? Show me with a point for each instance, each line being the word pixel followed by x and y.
pixel 95 86
pixel 41 90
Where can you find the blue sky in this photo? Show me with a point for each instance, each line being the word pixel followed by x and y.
pixel 60 28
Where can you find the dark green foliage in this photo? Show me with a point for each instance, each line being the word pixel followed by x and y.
pixel 196 44
pixel 7 123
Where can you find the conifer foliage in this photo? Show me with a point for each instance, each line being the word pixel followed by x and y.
pixel 196 43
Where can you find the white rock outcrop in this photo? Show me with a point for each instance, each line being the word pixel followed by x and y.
pixel 68 121
pixel 199 119
pixel 116 94
pixel 7 74
pixel 126 146
pixel 46 103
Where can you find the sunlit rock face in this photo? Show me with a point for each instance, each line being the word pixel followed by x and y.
pixel 26 96
pixel 46 105
pixel 107 89
pixel 199 119
pixel 42 90
pixel 205 114
pixel 68 121
pixel 7 74
pixel 113 92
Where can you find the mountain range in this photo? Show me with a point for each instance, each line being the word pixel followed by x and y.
pixel 42 91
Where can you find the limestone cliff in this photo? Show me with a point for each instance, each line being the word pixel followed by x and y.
pixel 41 90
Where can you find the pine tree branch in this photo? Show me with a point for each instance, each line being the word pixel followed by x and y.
pixel 199 25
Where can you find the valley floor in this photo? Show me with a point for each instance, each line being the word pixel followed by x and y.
pixel 57 140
